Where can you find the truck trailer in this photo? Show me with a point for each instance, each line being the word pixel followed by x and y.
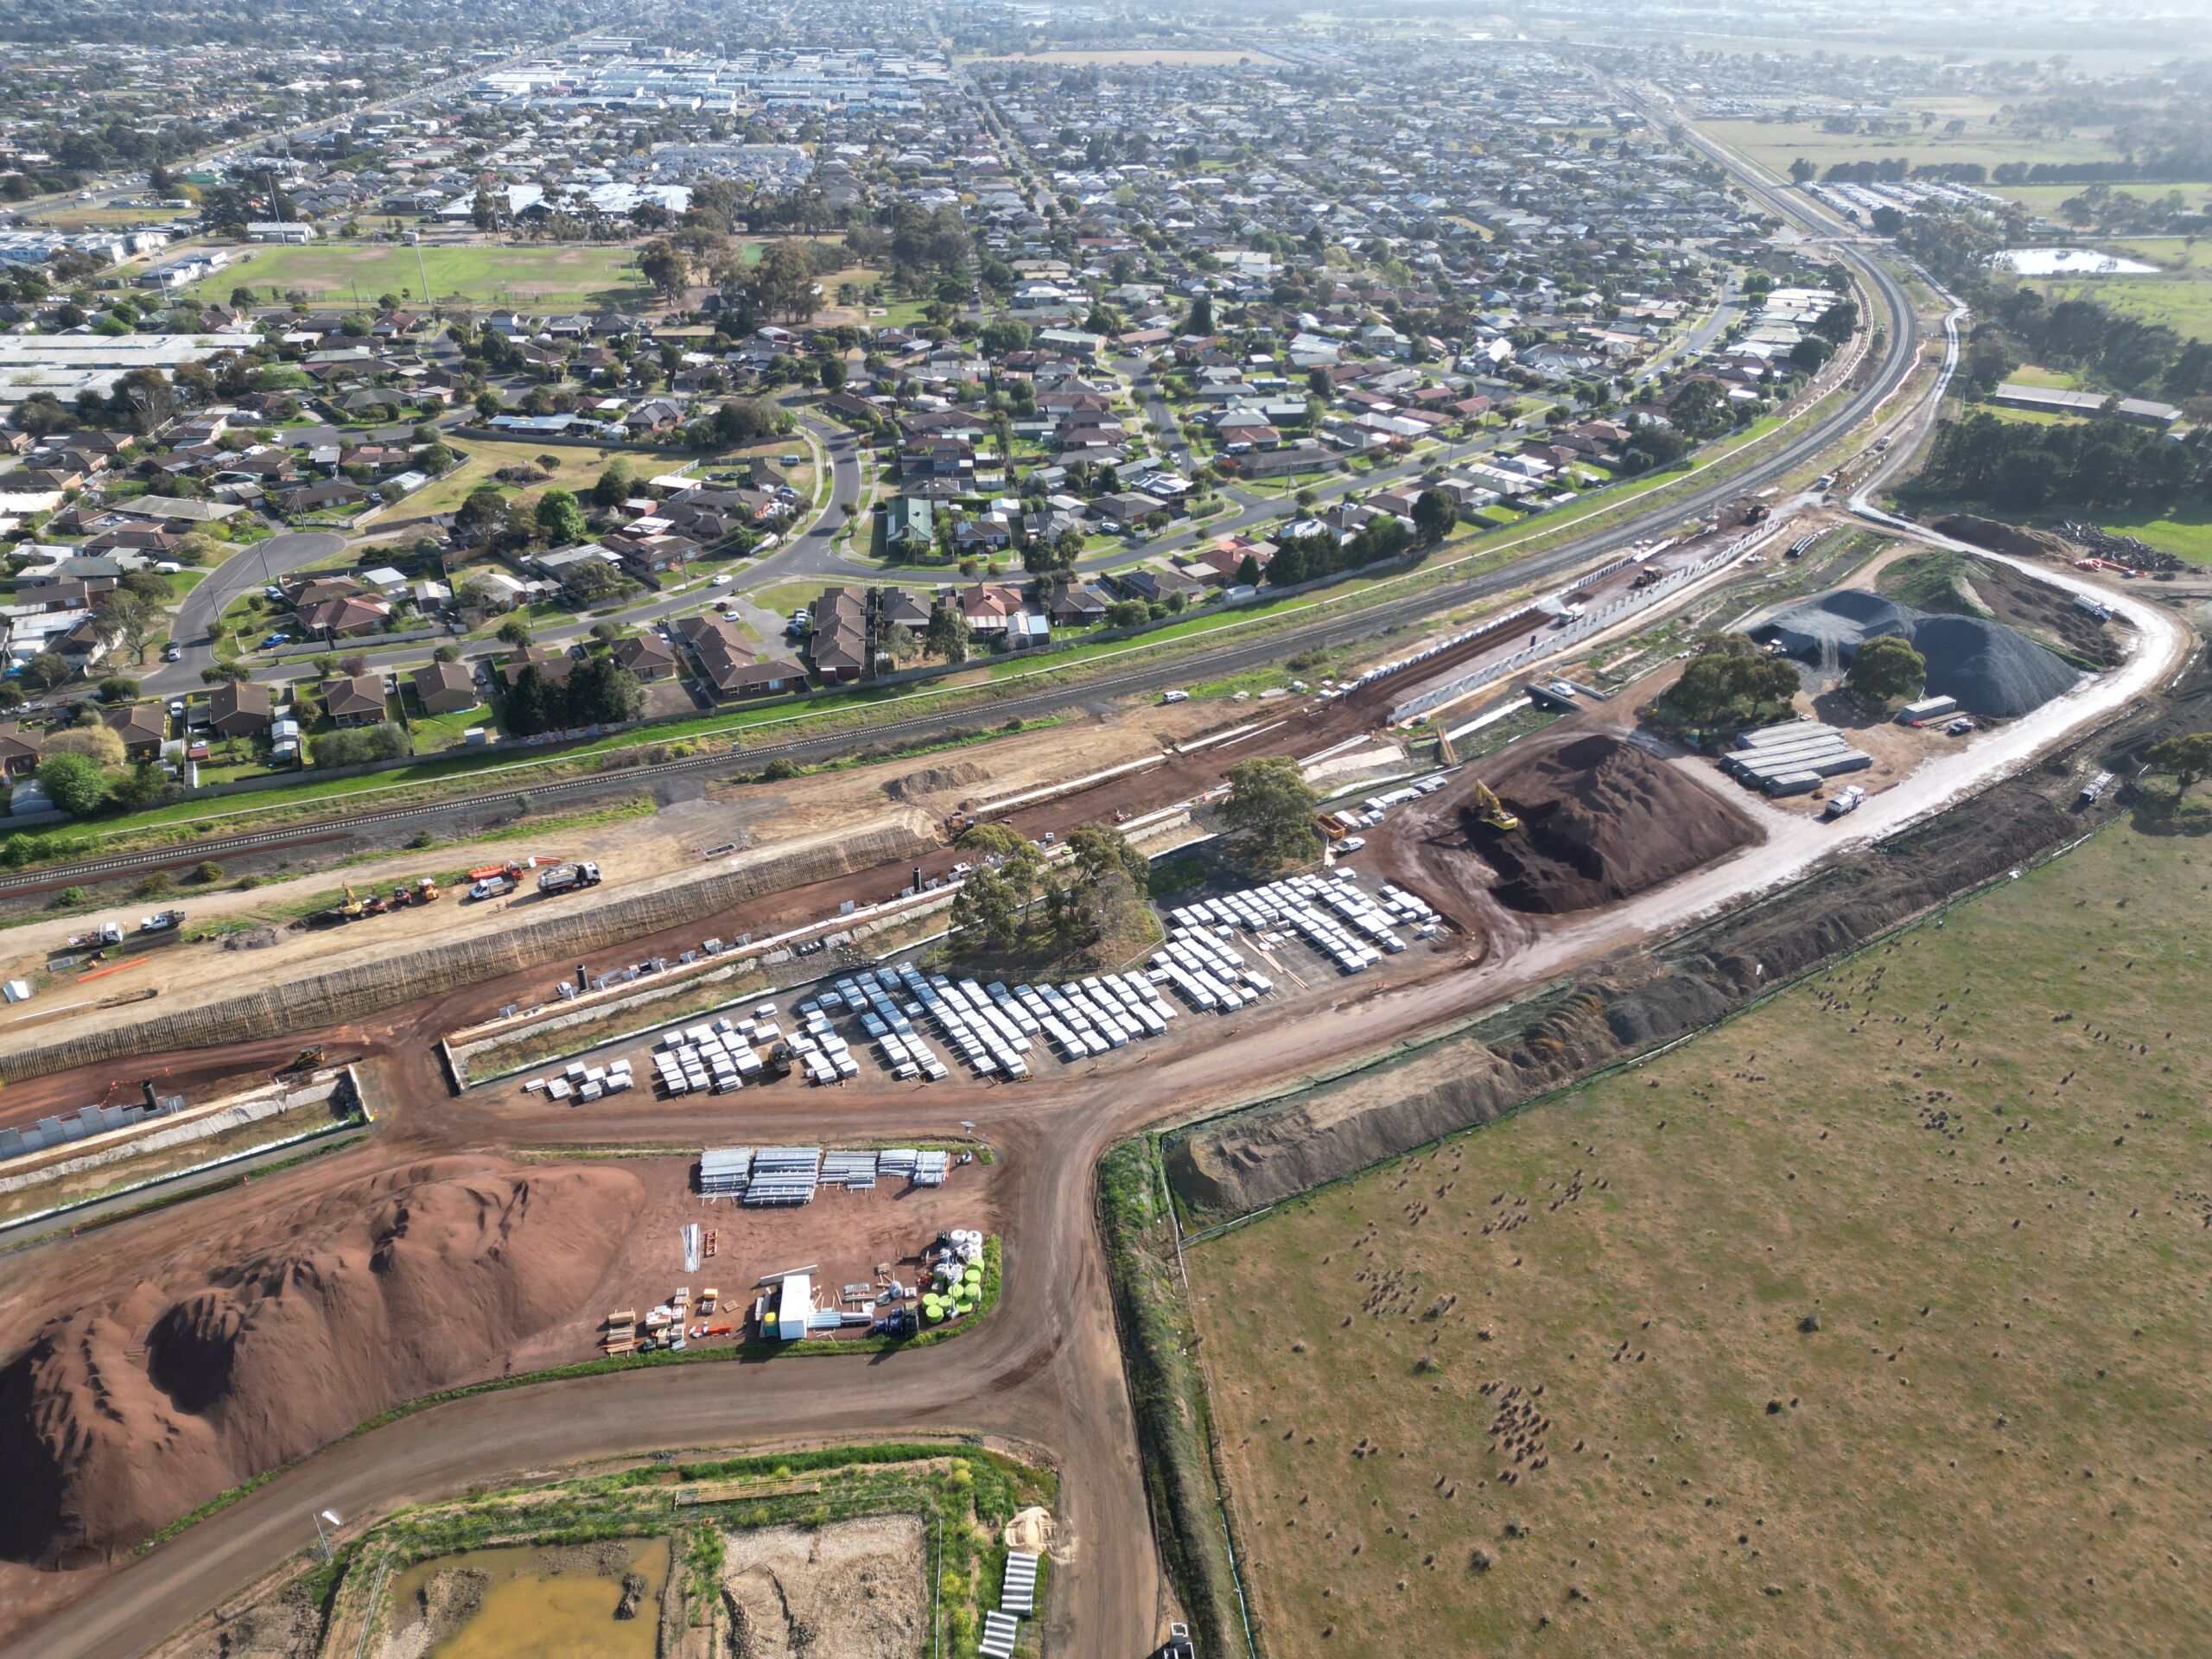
pixel 563 878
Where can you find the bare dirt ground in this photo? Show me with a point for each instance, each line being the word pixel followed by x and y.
pixel 635 855
pixel 854 1588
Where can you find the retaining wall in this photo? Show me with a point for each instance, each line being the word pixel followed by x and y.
pixel 348 994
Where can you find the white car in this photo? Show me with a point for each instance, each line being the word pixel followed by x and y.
pixel 1351 844
pixel 722 581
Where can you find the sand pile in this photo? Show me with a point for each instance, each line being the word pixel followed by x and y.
pixel 1600 820
pixel 120 1416
pixel 1992 671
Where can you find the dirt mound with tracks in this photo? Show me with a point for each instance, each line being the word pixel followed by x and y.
pixel 1601 821
pixel 270 1343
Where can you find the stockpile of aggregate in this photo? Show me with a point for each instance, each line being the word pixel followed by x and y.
pixel 1992 671
pixel 1600 822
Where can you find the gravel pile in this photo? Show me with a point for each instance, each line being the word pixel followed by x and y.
pixel 1992 671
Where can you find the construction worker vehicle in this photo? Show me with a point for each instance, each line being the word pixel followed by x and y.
pixel 564 878
pixel 1490 812
pixel 162 921
pixel 106 933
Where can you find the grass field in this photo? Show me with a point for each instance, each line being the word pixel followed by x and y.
pixel 2047 198
pixel 331 273
pixel 1872 1322
pixel 1774 144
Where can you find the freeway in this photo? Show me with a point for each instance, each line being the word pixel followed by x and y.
pixel 1777 460
pixel 1045 1371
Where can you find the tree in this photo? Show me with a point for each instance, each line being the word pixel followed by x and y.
pixel 559 519
pixel 1200 320
pixel 1885 670
pixel 1804 171
pixel 483 511
pixel 131 618
pixel 231 673
pixel 947 634
pixel 1248 571
pixel 600 692
pixel 1435 514
pixel 533 702
pixel 1730 682
pixel 2189 757
pixel 117 689
pixel 515 632
pixel 833 374
pixel 447 654
pixel 667 267
pixel 991 900
pixel 612 488
pixel 74 782
pixel 1105 888
pixel 1269 812
pixel 96 742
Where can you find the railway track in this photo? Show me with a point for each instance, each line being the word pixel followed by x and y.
pixel 1901 347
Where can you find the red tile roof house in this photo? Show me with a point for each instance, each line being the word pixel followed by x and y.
pixel 733 670
pixel 355 701
pixel 337 618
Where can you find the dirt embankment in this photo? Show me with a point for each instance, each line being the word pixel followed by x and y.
pixel 1284 1147
pixel 123 1412
pixel 2021 541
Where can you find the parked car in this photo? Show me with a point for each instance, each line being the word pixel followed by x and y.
pixel 1351 844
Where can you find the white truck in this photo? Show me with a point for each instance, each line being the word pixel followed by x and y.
pixel 563 878
pixel 1847 802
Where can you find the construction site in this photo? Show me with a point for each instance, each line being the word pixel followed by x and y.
pixel 709 1080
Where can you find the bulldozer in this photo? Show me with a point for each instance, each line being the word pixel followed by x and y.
pixel 1491 812
pixel 303 1064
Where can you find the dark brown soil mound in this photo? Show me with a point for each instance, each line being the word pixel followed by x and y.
pixel 1600 820
pixel 121 1415
pixel 2015 539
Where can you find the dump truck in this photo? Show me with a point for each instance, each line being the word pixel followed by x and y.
pixel 564 878
pixel 106 933
pixel 1491 812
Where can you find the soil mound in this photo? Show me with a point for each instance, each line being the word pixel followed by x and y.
pixel 936 780
pixel 2019 542
pixel 1992 671
pixel 120 1416
pixel 1600 820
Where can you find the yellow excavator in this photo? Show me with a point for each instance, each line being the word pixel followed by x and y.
pixel 1491 812
pixel 353 908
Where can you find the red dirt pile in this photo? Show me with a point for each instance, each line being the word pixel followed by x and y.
pixel 121 1416
pixel 1600 820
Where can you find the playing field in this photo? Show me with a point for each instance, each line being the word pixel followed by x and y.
pixel 338 273
pixel 1871 1323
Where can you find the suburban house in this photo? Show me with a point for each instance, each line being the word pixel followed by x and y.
pixel 240 710
pixel 730 668
pixel 1075 605
pixel 358 701
pixel 19 751
pixel 142 727
pixel 445 687
pixel 647 656
pixel 910 528
pixel 555 664
pixel 839 644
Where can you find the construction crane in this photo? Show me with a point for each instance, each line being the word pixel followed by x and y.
pixel 1491 812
